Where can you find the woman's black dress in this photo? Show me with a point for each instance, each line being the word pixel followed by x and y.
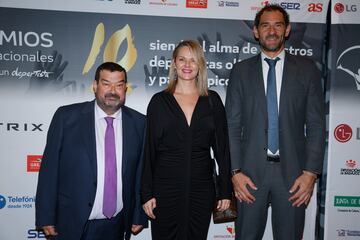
pixel 178 169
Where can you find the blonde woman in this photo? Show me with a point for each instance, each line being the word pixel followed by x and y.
pixel 183 123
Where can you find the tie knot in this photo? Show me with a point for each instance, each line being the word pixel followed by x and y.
pixel 109 120
pixel 272 62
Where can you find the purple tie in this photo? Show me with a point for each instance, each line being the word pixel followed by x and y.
pixel 110 184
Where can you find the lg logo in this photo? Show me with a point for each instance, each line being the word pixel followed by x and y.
pixel 343 133
pixel 339 8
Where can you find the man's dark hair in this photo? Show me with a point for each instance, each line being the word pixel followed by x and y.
pixel 110 66
pixel 271 8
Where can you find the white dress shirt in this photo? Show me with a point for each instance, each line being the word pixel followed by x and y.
pixel 100 128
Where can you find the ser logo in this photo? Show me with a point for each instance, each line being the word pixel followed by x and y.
pixel 35 234
pixel 290 5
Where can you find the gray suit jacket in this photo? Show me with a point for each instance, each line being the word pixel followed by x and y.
pixel 301 118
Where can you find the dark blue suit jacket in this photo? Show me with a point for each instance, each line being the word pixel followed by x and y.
pixel 68 175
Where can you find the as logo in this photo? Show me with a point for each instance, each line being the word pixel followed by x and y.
pixel 343 133
pixel 315 7
pixel 2 202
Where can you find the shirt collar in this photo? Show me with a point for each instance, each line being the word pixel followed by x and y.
pixel 281 56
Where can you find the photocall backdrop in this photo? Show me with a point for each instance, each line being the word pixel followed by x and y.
pixel 342 213
pixel 49 52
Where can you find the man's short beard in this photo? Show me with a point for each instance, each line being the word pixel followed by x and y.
pixel 272 49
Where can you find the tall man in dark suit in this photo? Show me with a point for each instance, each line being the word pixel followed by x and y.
pixel 276 122
pixel 89 179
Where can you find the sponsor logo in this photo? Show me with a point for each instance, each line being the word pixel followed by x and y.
pixel 30 39
pixel 262 4
pixel 351 168
pixel 341 232
pixel 315 7
pixel 21 127
pixel 111 51
pixel 351 163
pixel 164 3
pixel 350 233
pixel 33 163
pixel 196 3
pixel 228 233
pixel 35 234
pixel 290 5
pixel 340 8
pixel 347 201
pixel 228 4
pixel 355 71
pixel 132 2
pixel 17 201
pixel 343 133
pixel 2 202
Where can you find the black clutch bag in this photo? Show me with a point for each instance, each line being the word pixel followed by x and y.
pixel 230 214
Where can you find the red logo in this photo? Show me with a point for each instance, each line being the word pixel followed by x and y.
pixel 196 3
pixel 343 133
pixel 339 7
pixel 230 229
pixel 264 3
pixel 315 7
pixel 351 163
pixel 33 163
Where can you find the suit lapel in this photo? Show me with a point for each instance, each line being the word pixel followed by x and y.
pixel 259 83
pixel 288 75
pixel 126 129
pixel 88 134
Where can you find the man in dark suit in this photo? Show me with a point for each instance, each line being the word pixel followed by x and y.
pixel 89 179
pixel 276 122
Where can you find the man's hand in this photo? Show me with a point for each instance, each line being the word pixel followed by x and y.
pixel 135 229
pixel 149 207
pixel 49 231
pixel 302 189
pixel 240 182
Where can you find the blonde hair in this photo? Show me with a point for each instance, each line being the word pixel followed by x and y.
pixel 201 79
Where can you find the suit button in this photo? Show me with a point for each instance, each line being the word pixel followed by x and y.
pixel 90 204
pixel 265 148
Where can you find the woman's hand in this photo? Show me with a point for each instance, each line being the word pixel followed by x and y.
pixel 149 207
pixel 223 204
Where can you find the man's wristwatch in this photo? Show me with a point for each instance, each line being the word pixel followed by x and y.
pixel 235 171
